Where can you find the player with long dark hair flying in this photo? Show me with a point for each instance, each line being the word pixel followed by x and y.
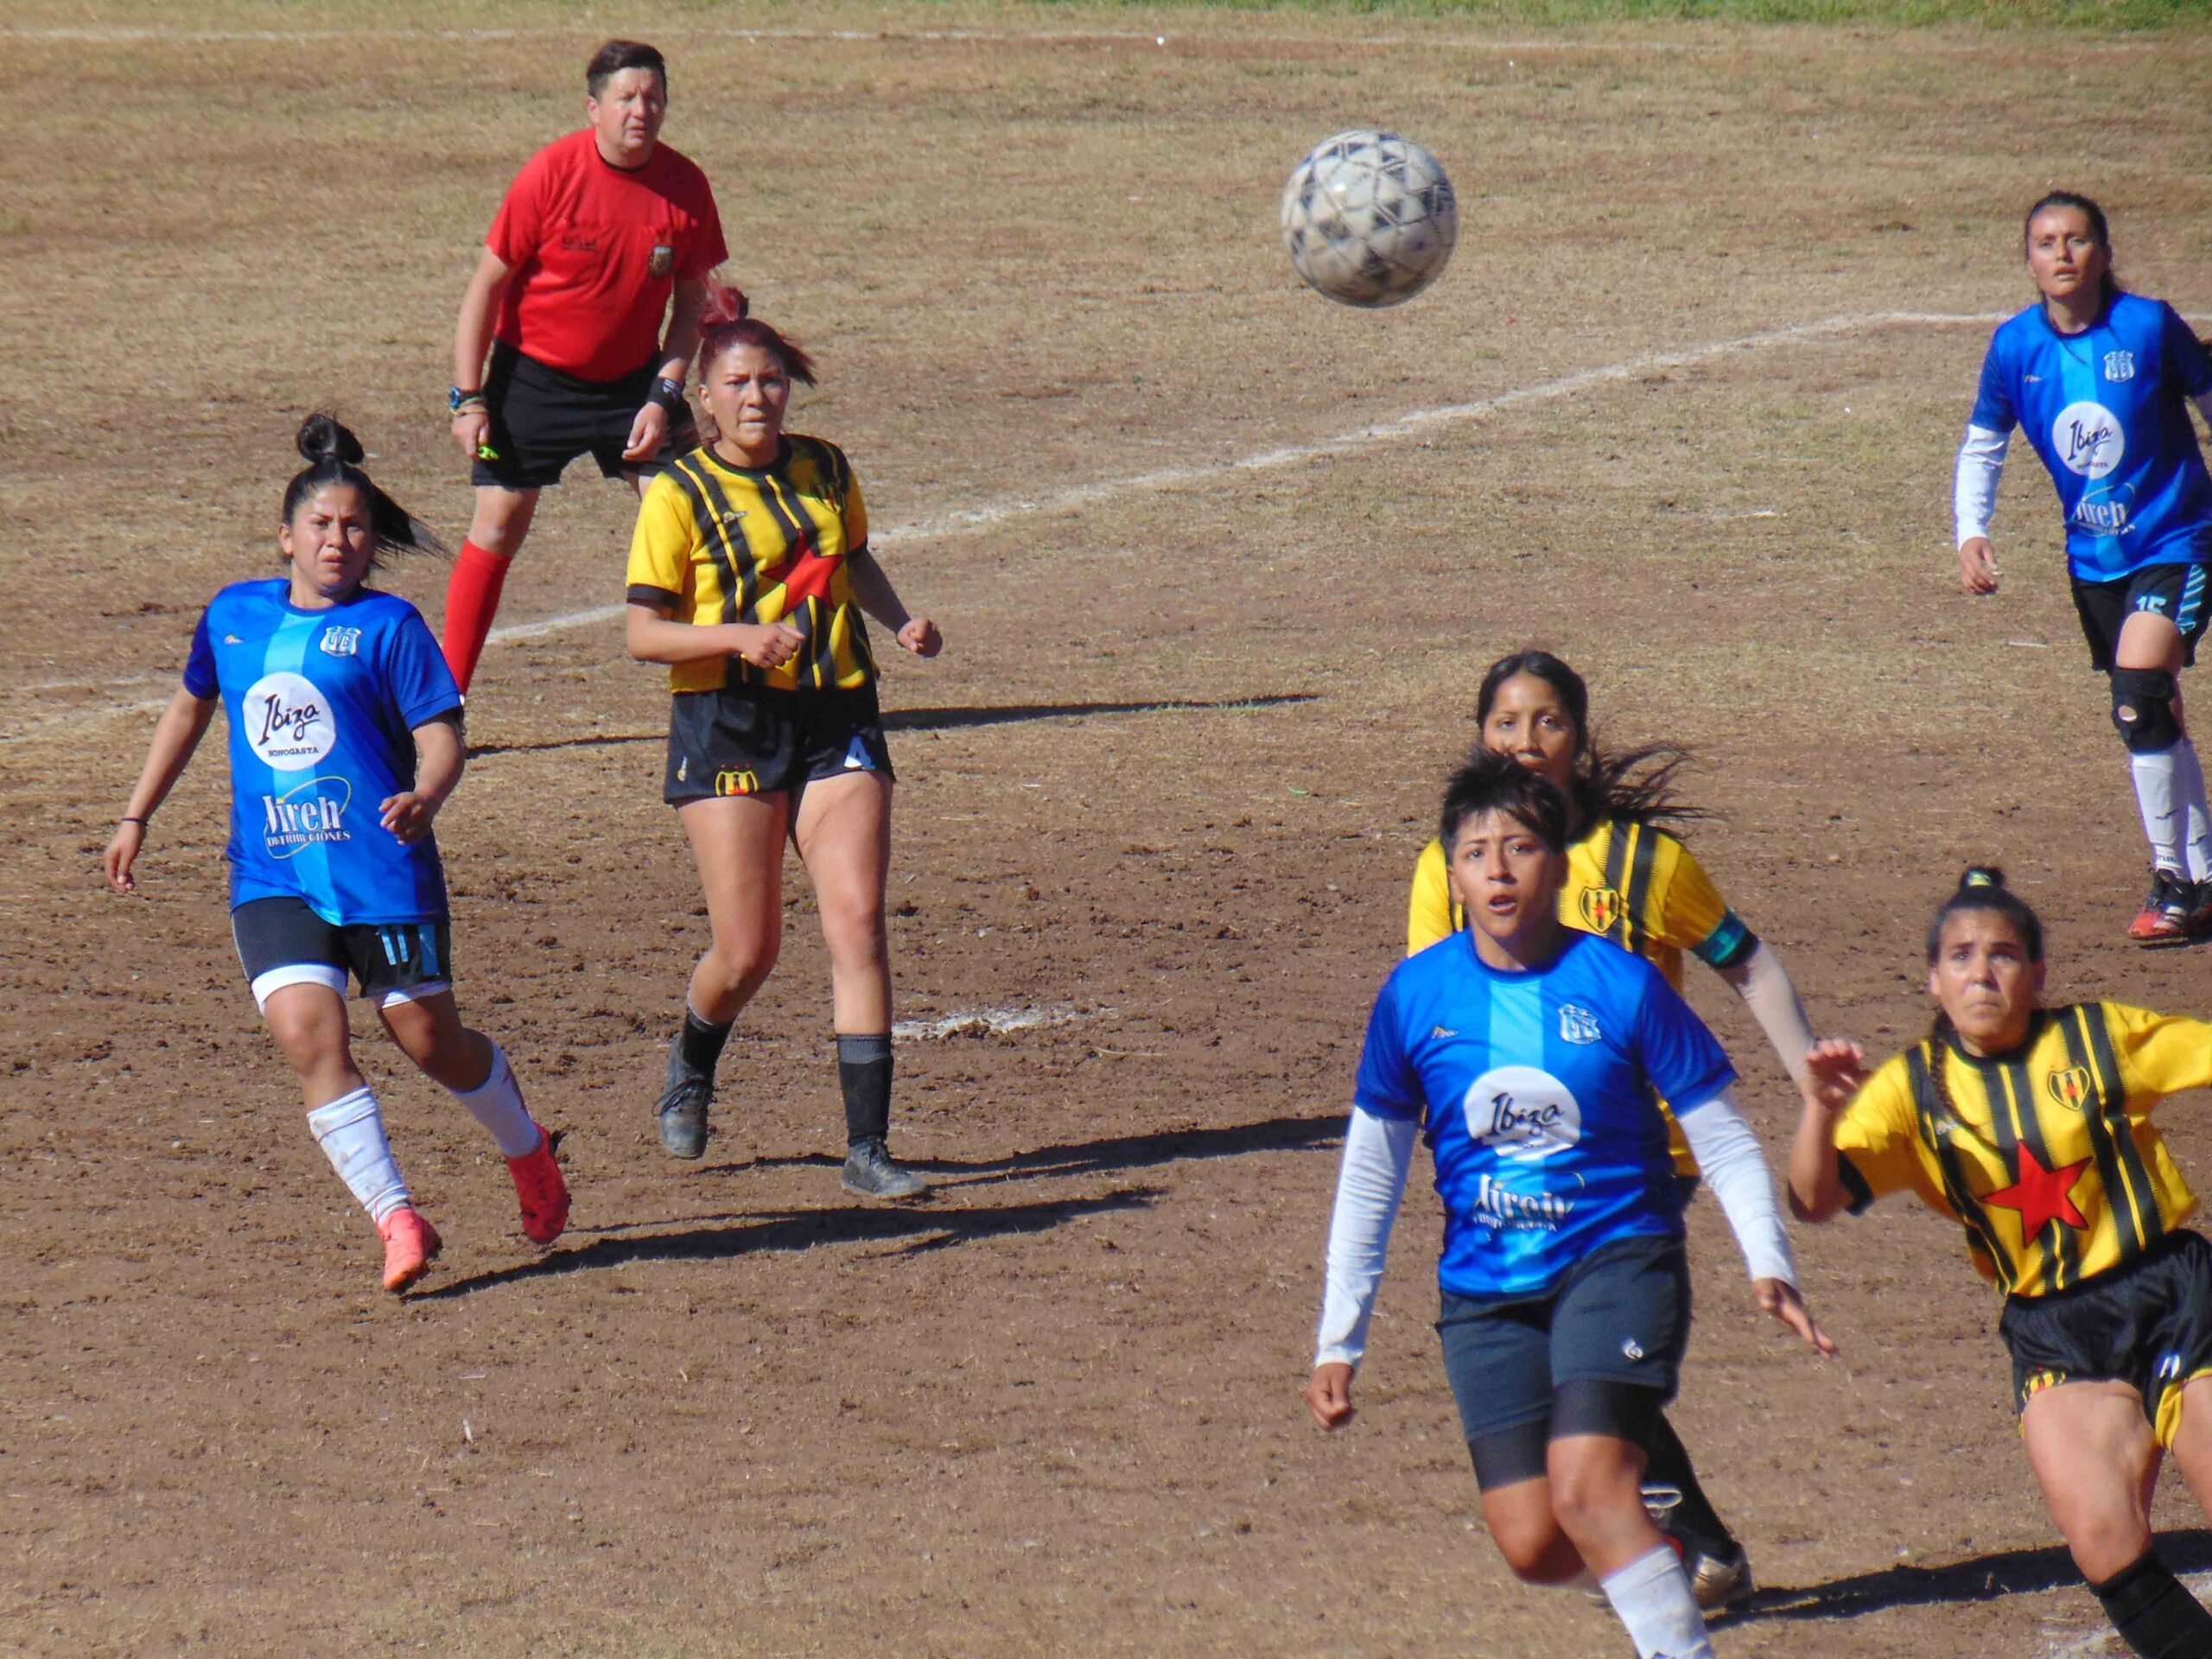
pixel 1630 881
pixel 2099 380
pixel 2030 1126
pixel 749 573
pixel 1532 1056
pixel 345 744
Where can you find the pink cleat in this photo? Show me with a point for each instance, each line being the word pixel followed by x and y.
pixel 543 1194
pixel 411 1245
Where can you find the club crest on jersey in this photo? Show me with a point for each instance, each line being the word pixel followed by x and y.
pixel 1579 1026
pixel 2120 365
pixel 663 261
pixel 1601 908
pixel 733 781
pixel 2070 1088
pixel 341 642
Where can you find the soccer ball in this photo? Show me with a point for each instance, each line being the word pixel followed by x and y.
pixel 1370 219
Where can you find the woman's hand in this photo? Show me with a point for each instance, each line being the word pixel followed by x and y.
pixel 472 428
pixel 646 433
pixel 408 815
pixel 1978 565
pixel 1778 1298
pixel 122 852
pixel 1328 1394
pixel 1835 1068
pixel 768 645
pixel 919 635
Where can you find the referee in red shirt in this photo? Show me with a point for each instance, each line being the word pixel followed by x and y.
pixel 597 231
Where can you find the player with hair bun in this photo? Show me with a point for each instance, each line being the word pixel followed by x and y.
pixel 2100 380
pixel 2030 1126
pixel 1531 1056
pixel 337 698
pixel 1630 881
pixel 601 234
pixel 749 572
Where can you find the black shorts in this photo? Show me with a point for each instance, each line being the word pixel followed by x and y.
pixel 2148 1325
pixel 282 942
pixel 750 740
pixel 2178 591
pixel 1621 1315
pixel 543 419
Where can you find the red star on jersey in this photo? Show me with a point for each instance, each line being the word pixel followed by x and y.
pixel 2040 1195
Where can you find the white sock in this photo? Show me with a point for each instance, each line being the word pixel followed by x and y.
pixel 1652 1598
pixel 350 1131
pixel 2158 797
pixel 2196 820
pixel 497 1104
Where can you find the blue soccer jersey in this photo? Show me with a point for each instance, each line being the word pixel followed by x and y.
pixel 2106 410
pixel 1538 1095
pixel 322 708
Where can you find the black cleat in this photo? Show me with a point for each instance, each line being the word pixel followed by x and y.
pixel 682 1110
pixel 871 1173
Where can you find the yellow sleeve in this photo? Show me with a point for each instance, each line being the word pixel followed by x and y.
pixel 1429 918
pixel 1877 1139
pixel 660 547
pixel 855 514
pixel 1692 916
pixel 2159 1054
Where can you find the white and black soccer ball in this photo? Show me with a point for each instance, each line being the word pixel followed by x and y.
pixel 1370 219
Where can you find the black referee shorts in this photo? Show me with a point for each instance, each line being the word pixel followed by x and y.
pixel 754 740
pixel 543 419
pixel 2148 1325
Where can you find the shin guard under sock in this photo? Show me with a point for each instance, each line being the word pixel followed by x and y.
pixel 350 1131
pixel 864 1075
pixel 2153 1612
pixel 699 1044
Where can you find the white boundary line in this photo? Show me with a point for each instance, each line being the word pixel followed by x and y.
pixel 1410 424
pixel 124 34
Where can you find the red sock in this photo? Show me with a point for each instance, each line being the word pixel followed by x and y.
pixel 472 600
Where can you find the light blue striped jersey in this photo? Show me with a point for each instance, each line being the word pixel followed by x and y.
pixel 2106 411
pixel 323 706
pixel 1538 1094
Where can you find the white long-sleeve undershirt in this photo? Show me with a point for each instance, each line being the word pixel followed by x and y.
pixel 1768 992
pixel 1371 1184
pixel 1973 491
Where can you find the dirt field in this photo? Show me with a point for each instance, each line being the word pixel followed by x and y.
pixel 1162 792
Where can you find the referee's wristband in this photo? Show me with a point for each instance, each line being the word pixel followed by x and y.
pixel 668 393
pixel 457 400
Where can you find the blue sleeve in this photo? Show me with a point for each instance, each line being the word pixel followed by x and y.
pixel 1388 1085
pixel 199 666
pixel 1992 398
pixel 416 674
pixel 2186 359
pixel 1684 1061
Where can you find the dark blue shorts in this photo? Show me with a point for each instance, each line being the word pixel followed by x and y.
pixel 2181 593
pixel 283 942
pixel 1621 1315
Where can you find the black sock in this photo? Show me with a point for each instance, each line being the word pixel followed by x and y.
pixel 864 1074
pixel 1670 1465
pixel 2153 1613
pixel 699 1044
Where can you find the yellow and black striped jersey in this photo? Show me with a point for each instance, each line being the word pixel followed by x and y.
pixel 2046 1155
pixel 717 544
pixel 1628 882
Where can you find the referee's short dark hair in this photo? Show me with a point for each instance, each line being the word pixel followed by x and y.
pixel 1491 782
pixel 616 56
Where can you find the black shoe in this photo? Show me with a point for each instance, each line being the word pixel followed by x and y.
pixel 871 1173
pixel 682 1110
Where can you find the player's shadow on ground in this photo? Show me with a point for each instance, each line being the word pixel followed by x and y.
pixel 1981 1578
pixel 1118 1152
pixel 923 1228
pixel 947 719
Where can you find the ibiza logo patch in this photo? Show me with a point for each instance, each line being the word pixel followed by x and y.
pixel 2070 1088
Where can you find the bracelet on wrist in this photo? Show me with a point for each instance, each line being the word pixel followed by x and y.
pixel 141 823
pixel 460 397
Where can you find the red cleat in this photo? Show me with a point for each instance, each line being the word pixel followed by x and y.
pixel 411 1245
pixel 2166 916
pixel 543 1194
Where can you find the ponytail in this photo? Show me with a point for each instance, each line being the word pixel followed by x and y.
pixel 334 455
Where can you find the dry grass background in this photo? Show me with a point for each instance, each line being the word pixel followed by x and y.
pixel 1035 248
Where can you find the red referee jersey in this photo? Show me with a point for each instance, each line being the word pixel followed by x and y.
pixel 596 252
